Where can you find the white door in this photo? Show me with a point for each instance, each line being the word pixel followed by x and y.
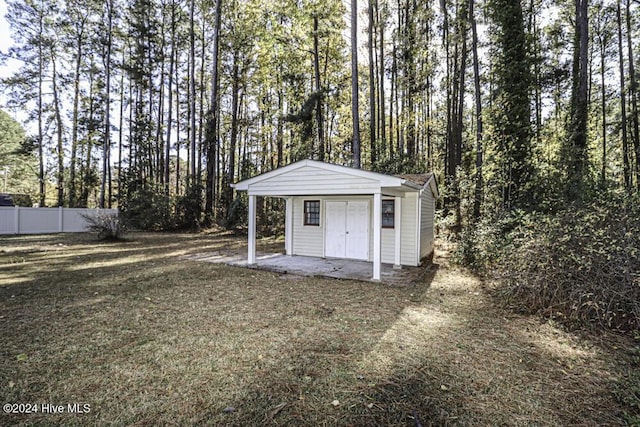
pixel 347 230
pixel 336 229
pixel 358 230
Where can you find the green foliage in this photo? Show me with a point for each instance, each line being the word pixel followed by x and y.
pixel 189 208
pixel 479 245
pixel 272 217
pixel 509 127
pixel 580 265
pixel 627 391
pixel 17 162
pixel 401 163
pixel 22 200
pixel 148 208
pixel 238 212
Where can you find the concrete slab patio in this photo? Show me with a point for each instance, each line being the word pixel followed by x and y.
pixel 319 267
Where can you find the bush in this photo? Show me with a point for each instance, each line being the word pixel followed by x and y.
pixel 109 226
pixel 238 213
pixel 580 265
pixel 148 208
pixel 189 208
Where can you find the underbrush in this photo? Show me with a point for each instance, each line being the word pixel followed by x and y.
pixel 109 226
pixel 580 265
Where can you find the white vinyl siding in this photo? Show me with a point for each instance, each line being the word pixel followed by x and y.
pixel 388 245
pixel 409 234
pixel 426 223
pixel 308 240
pixel 312 180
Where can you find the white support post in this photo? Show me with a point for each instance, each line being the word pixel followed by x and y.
pixel 377 230
pixel 397 225
pixel 251 256
pixel 288 226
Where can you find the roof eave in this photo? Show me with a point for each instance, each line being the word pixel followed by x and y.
pixel 433 184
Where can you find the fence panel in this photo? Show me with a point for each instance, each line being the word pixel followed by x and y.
pixel 17 220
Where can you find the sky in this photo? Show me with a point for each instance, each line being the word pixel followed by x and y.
pixel 11 67
pixel 5 39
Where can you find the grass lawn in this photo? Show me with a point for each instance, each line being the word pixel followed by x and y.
pixel 145 337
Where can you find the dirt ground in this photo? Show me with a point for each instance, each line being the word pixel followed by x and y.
pixel 144 336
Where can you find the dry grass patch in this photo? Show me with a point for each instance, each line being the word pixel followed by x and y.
pixel 148 338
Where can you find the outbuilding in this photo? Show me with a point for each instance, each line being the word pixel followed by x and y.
pixel 336 211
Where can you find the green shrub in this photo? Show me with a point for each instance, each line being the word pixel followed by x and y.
pixel 147 208
pixel 238 212
pixel 189 208
pixel 580 265
pixel 627 390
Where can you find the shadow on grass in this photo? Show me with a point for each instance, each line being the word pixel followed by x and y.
pixel 448 357
pixel 169 336
pixel 150 339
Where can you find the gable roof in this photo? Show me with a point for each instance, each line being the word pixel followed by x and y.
pixel 414 182
pixel 417 178
pixel 423 180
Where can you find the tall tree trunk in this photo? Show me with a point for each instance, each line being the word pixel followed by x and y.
pixel 576 152
pixel 201 90
pixel 479 184
pixel 120 127
pixel 534 33
pixel 177 126
pixel 354 85
pixel 148 138
pixel 192 90
pixel 633 89
pixel 41 181
pixel 167 146
pixel 512 117
pixel 603 51
pixel 212 121
pixel 449 171
pixel 452 86
pixel 410 70
pixel 319 90
pixel 86 168
pixel 59 130
pixel 623 106
pixel 233 140
pixel 392 98
pixel 381 68
pixel 158 138
pixel 280 130
pixel 372 89
pixel 462 86
pixel 74 121
pixel 106 146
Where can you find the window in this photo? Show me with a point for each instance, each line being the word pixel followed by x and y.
pixel 312 212
pixel 388 213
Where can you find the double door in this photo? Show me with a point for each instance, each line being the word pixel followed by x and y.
pixel 347 229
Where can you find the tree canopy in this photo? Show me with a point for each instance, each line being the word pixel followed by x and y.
pixel 180 98
pixel 17 161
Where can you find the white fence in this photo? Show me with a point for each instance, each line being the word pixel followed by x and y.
pixel 17 220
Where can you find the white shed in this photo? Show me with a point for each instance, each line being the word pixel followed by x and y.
pixel 335 211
